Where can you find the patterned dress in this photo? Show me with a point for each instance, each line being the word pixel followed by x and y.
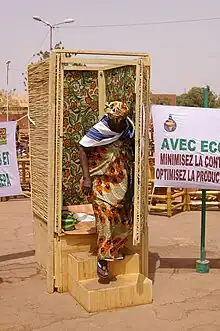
pixel 111 172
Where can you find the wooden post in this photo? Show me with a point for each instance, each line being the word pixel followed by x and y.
pixel 102 93
pixel 59 144
pixel 51 130
pixel 184 200
pixel 169 202
pixel 145 115
pixel 23 165
pixel 188 207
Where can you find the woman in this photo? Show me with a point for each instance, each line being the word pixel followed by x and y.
pixel 106 157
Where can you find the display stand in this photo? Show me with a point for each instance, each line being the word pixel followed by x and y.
pixel 67 93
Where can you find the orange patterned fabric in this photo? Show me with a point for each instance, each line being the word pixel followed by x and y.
pixel 80 113
pixel 111 171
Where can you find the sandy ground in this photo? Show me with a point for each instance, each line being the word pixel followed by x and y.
pixel 183 299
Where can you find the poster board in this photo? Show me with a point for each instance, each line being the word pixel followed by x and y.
pixel 187 147
pixel 9 173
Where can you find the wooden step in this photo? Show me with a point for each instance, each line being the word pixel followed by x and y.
pixel 83 265
pixel 128 290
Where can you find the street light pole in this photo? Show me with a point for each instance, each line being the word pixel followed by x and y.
pixel 53 26
pixel 51 38
pixel 7 87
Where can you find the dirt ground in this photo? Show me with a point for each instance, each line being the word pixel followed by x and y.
pixel 183 299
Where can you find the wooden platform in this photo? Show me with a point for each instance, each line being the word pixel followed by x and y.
pixel 82 228
pixel 83 265
pixel 130 288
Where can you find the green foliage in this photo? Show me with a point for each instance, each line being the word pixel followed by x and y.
pixel 160 101
pixel 194 98
pixel 43 55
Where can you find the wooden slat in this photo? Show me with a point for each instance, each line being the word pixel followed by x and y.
pixel 78 68
pixel 60 154
pixel 98 61
pixel 50 174
pixel 102 94
pixel 38 94
pixel 145 176
pixel 108 53
pixel 176 206
pixel 137 204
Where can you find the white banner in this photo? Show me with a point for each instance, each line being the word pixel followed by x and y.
pixel 9 174
pixel 187 147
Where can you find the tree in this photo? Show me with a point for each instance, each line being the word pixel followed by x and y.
pixel 194 98
pixel 12 99
pixel 41 55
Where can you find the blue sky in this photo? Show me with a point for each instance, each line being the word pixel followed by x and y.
pixel 183 55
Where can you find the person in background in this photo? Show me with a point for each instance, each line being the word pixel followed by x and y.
pixel 107 158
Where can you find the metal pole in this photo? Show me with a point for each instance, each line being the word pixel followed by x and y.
pixel 7 87
pixel 52 26
pixel 202 265
pixel 51 37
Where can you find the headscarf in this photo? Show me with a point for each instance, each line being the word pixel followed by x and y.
pixel 101 134
pixel 116 110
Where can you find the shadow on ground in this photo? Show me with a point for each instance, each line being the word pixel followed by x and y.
pixel 15 256
pixel 155 262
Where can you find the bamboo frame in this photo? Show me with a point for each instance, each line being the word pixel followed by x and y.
pixel 24 171
pixel 142 157
pixel 145 102
pixel 119 63
pixel 102 94
pixel 97 67
pixel 208 203
pixel 78 68
pixel 200 192
pixel 51 135
pixel 198 203
pixel 141 190
pixel 57 134
pixel 92 52
pixel 29 135
pixel 137 206
pixel 56 239
pixel 116 66
pixel 59 145
pixel 168 200
pixel 38 87
pixel 186 204
pixel 100 61
pixel 58 265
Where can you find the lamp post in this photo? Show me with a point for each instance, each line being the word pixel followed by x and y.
pixel 53 26
pixel 7 87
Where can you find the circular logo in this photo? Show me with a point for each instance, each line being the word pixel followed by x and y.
pixel 170 125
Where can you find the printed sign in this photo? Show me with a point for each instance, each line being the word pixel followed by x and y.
pixel 3 136
pixel 187 147
pixel 9 174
